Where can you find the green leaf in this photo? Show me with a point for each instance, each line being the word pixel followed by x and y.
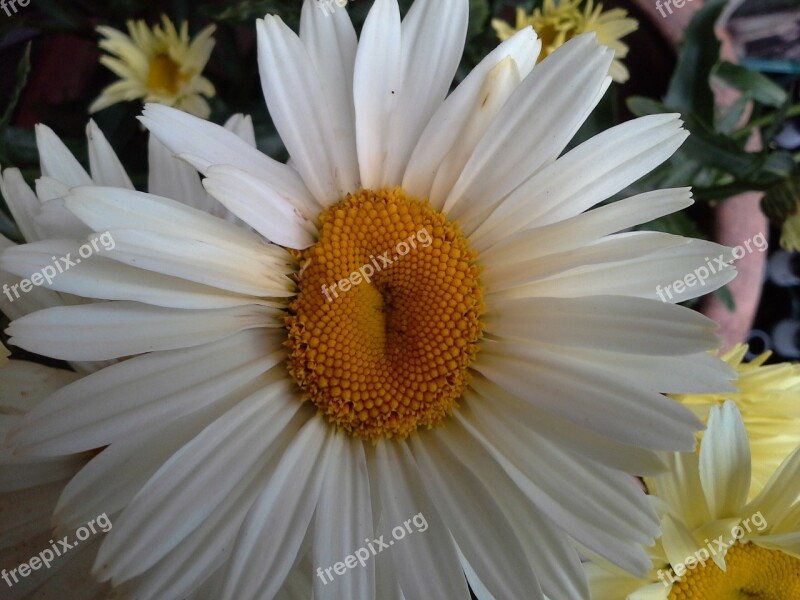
pixel 780 200
pixel 677 224
pixel 249 10
pixel 8 229
pixel 754 85
pixel 641 106
pixel 724 295
pixel 689 89
pixel 732 115
pixel 478 13
pixel 722 192
pixel 20 143
pixel 23 68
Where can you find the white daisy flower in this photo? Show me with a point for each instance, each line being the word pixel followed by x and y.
pixel 716 544
pixel 499 377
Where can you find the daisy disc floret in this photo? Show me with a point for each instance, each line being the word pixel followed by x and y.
pixel 157 64
pixel 384 358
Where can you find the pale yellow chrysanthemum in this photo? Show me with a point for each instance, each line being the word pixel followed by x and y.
pixel 157 64
pixel 559 21
pixel 769 399
pixel 717 545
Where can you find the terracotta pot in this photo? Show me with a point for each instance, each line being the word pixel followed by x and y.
pixel 738 218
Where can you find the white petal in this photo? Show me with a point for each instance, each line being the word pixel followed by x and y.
pixel 339 533
pixel 651 276
pixel 610 497
pixel 603 449
pixel 105 166
pixel 376 85
pixel 331 43
pixel 586 227
pixel 173 178
pixel 580 523
pixel 20 473
pixel 500 83
pixel 612 323
pixel 548 106
pixel 105 279
pixel 701 373
pixel 199 475
pixel 57 161
pixel 260 273
pixel 596 398
pixel 425 562
pixel 22 203
pixel 110 480
pixel 26 384
pixel 548 550
pixel 457 111
pixel 586 175
pixel 15 303
pixel 613 248
pixel 276 524
pixel 116 329
pixel 493 551
pixel 54 220
pixel 297 104
pixel 432 41
pixel 257 204
pixel 147 390
pixel 242 125
pixel 112 208
pixel 204 144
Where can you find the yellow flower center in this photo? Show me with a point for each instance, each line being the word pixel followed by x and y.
pixel 556 24
pixel 164 75
pixel 753 573
pixel 387 318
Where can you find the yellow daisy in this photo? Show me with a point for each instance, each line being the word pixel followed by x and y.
pixel 157 64
pixel 769 400
pixel 560 20
pixel 715 544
